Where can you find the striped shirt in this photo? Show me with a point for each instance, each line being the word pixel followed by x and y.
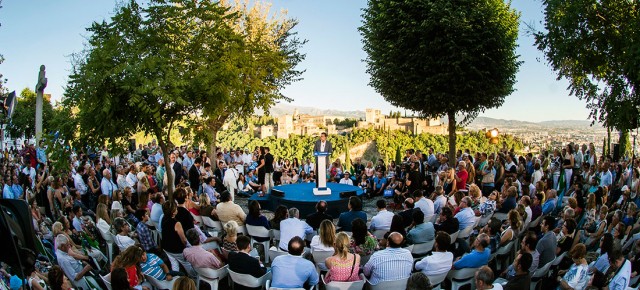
pixel 152 267
pixel 388 265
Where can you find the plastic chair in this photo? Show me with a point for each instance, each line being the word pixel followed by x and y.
pixel 386 285
pixel 535 223
pixel 461 277
pixel 215 226
pixel 109 239
pixel 436 280
pixel 465 233
pixel 500 215
pixel 454 236
pixel 260 232
pixel 319 257
pixel 164 284
pixel 212 276
pixel 353 285
pixel 248 280
pixel 275 235
pixel 422 249
pixel 274 252
pixel 538 275
pixel 197 219
pixel 484 220
pixel 107 280
pixel 268 287
pixel 504 251
pixel 379 234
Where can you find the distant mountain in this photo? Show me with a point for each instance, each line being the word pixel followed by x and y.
pixel 284 109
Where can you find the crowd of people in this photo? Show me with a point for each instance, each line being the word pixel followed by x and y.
pixel 569 207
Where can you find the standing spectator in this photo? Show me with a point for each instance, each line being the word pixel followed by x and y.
pixel 392 263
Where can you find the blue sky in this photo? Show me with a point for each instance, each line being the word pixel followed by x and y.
pixel 36 32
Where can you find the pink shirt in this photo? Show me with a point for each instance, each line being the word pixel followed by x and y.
pixel 201 258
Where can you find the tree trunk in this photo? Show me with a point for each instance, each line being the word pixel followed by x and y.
pixel 170 186
pixel 212 147
pixel 452 139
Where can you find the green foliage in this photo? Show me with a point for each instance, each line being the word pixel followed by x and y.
pixel 595 46
pixel 346 123
pixel 386 143
pixel 2 81
pixel 441 57
pixel 23 121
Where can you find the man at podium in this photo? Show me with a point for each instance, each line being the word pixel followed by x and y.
pixel 322 150
pixel 323 145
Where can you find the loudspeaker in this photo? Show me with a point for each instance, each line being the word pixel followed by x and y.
pixel 278 193
pixel 347 194
pixel 616 152
pixel 132 145
pixel 18 235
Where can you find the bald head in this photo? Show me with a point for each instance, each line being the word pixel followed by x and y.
pixel 395 240
pixel 106 173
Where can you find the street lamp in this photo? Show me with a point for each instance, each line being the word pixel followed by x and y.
pixel 492 135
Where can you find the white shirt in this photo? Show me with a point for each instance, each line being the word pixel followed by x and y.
pixel 436 264
pixel 124 242
pixel 116 205
pixel 382 220
pixel 440 202
pixel 79 184
pixel 322 146
pixel 426 206
pixel 290 228
pixel 346 181
pixel 132 179
pixel 316 245
pixel 107 186
pixel 103 226
pixel 529 215
pixel 122 182
pixel 466 217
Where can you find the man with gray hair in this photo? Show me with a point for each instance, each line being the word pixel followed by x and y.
pixel 293 227
pixel 478 257
pixel 107 186
pixel 461 176
pixel 74 269
pixel 484 279
pixel 466 217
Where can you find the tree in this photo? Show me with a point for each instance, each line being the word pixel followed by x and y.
pixel 2 81
pixel 264 64
pixel 23 121
pixel 441 57
pixel 149 68
pixel 595 46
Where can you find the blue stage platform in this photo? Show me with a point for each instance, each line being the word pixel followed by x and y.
pixel 301 196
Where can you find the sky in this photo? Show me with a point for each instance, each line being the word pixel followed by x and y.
pixel 36 32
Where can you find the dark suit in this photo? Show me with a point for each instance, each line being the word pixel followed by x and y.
pixel 194 178
pixel 242 263
pixel 407 217
pixel 450 226
pixel 327 146
pixel 316 218
pixel 177 169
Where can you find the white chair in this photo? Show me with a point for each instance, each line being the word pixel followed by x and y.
pixel 260 232
pixel 248 280
pixel 109 239
pixel 161 285
pixel 107 280
pixel 268 287
pixel 538 275
pixel 210 224
pixel 274 252
pixel 484 220
pixel 212 276
pixel 503 253
pixel 454 236
pixel 436 280
pixel 319 257
pixel 465 233
pixel 379 234
pixel 500 216
pixel 535 223
pixel 422 249
pixel 387 285
pixel 197 219
pixel 354 285
pixel 275 235
pixel 461 277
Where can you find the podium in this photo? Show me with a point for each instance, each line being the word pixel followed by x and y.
pixel 321 165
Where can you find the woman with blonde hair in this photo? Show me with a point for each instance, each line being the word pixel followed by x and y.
pixel 184 283
pixel 325 238
pixel 368 171
pixel 343 266
pixel 511 232
pixel 189 204
pixel 74 251
pixel 206 209
pixel 229 240
pixel 103 221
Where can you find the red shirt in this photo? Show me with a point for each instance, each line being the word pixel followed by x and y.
pixel 463 175
pixel 132 272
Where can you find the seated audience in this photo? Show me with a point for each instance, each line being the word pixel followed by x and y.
pixel 342 266
pixel 479 256
pixel 392 263
pixel 243 263
pixel 420 232
pixel 227 210
pixel 355 212
pixel 447 222
pixel 197 256
pixel 521 279
pixel 382 220
pixel 440 261
pixel 293 227
pixel 293 271
pixel 320 215
pixel 325 238
pixel 362 242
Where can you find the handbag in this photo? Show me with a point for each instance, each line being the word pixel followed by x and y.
pixel 488 178
pixel 388 193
